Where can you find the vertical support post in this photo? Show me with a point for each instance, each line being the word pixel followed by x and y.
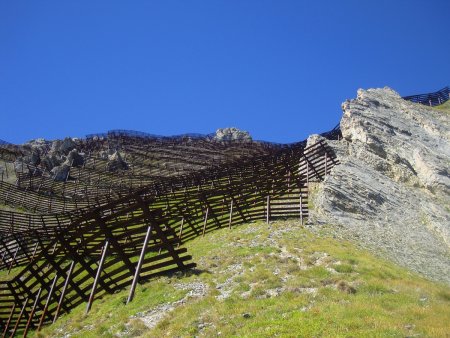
pixel 53 251
pixel 3 258
pixel 34 252
pixel 289 181
pixel 63 292
pixel 268 209
pixel 301 207
pixel 33 310
pixel 20 317
pixel 9 320
pixel 13 260
pixel 47 302
pixel 206 220
pixel 139 265
pixel 307 173
pixel 231 214
pixel 181 231
pixel 97 277
pixel 326 164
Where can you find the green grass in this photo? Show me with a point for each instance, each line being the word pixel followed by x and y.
pixel 444 107
pixel 277 280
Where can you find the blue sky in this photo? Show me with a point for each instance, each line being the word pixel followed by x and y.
pixel 279 69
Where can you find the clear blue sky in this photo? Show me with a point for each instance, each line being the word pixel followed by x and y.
pixel 279 69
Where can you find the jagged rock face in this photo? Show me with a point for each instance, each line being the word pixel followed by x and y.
pixel 232 134
pixel 412 139
pixel 392 188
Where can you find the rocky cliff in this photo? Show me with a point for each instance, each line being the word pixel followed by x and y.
pixel 391 191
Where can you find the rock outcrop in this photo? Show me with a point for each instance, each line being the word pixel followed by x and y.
pixel 63 146
pixel 392 188
pixel 116 162
pixel 232 134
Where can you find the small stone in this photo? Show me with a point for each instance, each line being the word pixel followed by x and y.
pixel 246 315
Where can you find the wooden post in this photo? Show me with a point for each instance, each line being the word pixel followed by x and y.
pixel 63 292
pixel 13 260
pixel 301 207
pixel 206 220
pixel 139 265
pixel 181 231
pixel 307 173
pixel 268 209
pixel 289 181
pixel 47 302
pixel 34 252
pixel 9 320
pixel 326 164
pixel 33 310
pixel 97 277
pixel 3 258
pixel 20 317
pixel 53 251
pixel 231 214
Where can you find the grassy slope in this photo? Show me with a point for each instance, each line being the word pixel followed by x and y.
pixel 444 107
pixel 261 281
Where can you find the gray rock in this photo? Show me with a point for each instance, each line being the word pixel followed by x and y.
pixel 75 158
pixel 28 162
pixel 63 146
pixel 50 161
pixel 104 154
pixel 32 158
pixel 115 162
pixel 55 146
pixel 60 173
pixel 39 144
pixel 232 134
pixel 392 188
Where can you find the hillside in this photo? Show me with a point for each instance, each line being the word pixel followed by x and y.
pixel 225 235
pixel 259 280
